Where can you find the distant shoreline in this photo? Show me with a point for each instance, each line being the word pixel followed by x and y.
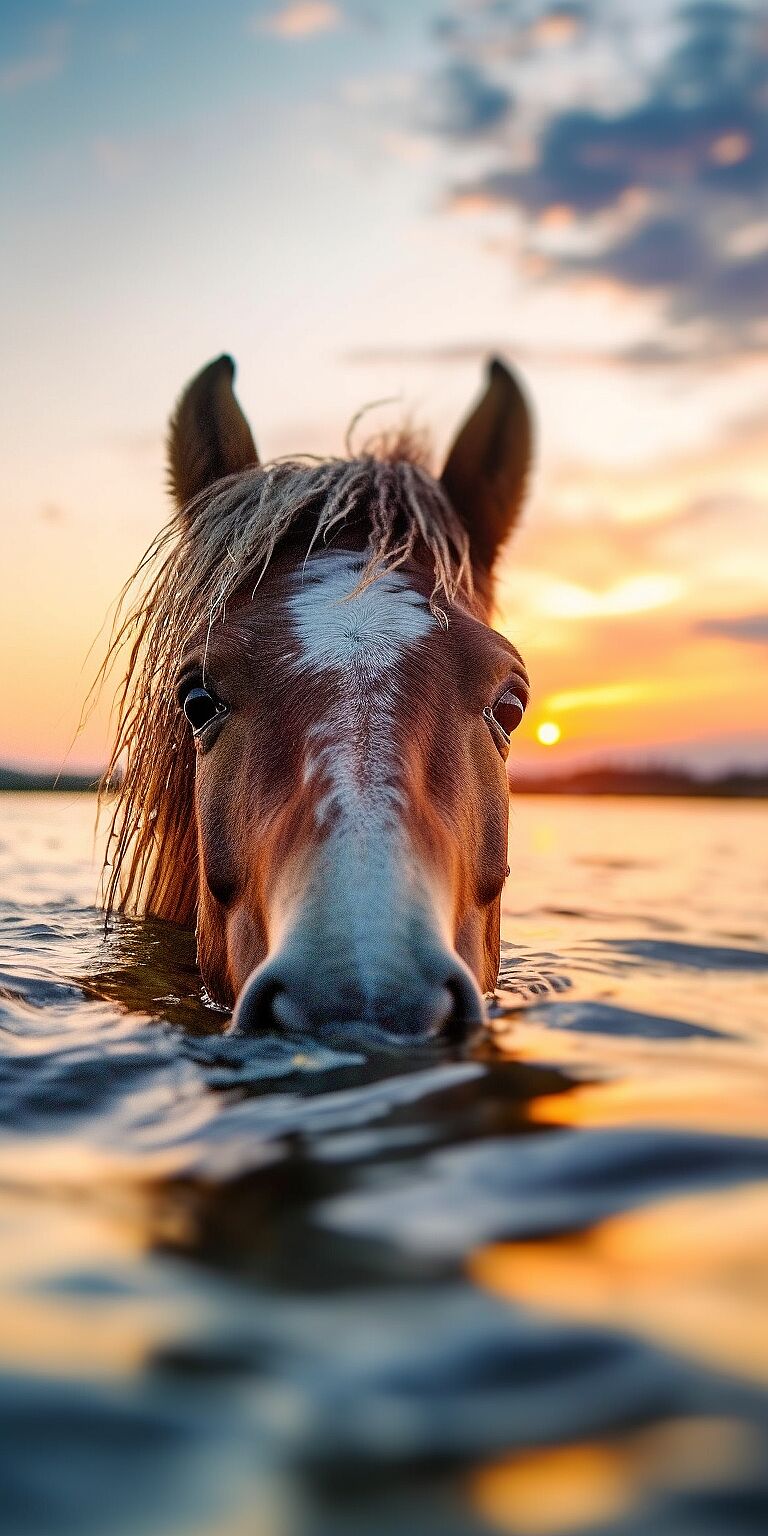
pixel 668 783
pixel 28 781
pixel 660 783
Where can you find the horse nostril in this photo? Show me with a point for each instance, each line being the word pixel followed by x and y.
pixel 466 1014
pixel 264 1005
pixel 451 1012
pixel 437 1014
pixel 287 1012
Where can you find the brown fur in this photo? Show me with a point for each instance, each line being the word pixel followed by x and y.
pixel 220 546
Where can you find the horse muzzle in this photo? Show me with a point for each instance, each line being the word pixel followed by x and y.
pixel 290 994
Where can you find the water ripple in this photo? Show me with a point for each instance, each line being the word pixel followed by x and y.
pixel 311 1290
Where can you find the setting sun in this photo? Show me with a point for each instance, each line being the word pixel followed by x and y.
pixel 548 733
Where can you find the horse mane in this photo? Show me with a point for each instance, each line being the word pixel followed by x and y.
pixel 219 544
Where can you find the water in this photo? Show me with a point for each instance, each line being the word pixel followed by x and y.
pixel 250 1288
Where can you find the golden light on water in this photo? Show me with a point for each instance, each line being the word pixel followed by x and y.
pixel 661 1272
pixel 546 1491
pixel 548 733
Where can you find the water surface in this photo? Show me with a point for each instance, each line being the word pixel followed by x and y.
pixel 250 1287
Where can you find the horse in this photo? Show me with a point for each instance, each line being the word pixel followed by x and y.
pixel 314 720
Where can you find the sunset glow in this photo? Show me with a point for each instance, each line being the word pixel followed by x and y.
pixel 378 220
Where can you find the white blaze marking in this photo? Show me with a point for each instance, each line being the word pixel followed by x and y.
pixel 367 890
pixel 362 640
pixel 371 630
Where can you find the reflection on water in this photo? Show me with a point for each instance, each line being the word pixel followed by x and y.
pixel 581 1486
pixel 255 1287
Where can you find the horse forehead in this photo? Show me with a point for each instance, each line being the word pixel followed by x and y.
pixel 337 629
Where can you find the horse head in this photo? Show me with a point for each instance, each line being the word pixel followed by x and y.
pixel 315 720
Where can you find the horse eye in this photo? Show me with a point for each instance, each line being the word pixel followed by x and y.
pixel 200 708
pixel 504 718
pixel 508 711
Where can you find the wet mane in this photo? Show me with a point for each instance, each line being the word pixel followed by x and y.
pixel 219 545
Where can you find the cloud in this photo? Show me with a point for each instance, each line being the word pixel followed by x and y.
pixel 646 354
pixel 658 167
pixel 560 24
pixel 673 255
pixel 751 628
pixel 661 253
pixel 735 289
pixel 41 63
pixel 464 103
pixel 300 18
pixel 587 159
pixel 523 24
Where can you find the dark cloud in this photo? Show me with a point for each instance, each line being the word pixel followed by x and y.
pixel 587 160
pixel 710 54
pixel 695 145
pixel 736 289
pixel 673 255
pixel 751 628
pixel 662 253
pixel 463 103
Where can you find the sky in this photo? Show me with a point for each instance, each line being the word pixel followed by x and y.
pixel 362 202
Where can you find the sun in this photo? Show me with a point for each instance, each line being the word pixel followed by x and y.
pixel 548 733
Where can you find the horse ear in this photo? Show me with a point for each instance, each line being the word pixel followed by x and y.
pixel 486 469
pixel 208 435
